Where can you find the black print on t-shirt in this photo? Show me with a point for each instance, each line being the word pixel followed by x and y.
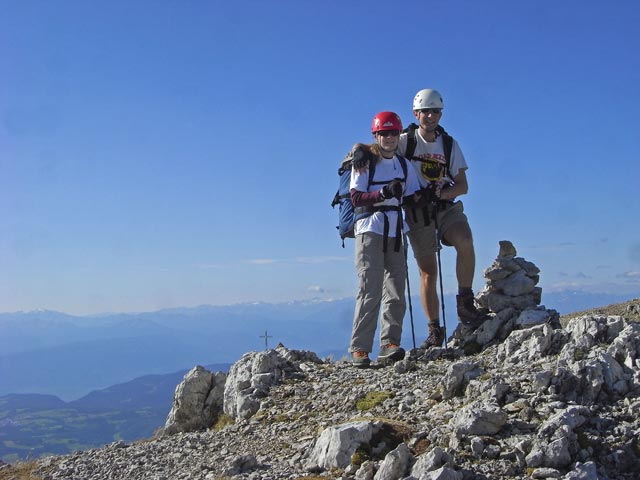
pixel 432 167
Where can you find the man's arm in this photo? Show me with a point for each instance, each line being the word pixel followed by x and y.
pixel 460 187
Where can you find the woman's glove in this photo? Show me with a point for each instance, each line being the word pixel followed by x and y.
pixel 393 189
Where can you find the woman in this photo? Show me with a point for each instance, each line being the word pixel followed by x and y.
pixel 377 192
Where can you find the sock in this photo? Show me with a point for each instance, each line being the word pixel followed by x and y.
pixel 434 321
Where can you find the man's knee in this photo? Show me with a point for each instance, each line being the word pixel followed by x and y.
pixel 428 266
pixel 459 236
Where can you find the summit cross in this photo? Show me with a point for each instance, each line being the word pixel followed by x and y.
pixel 266 339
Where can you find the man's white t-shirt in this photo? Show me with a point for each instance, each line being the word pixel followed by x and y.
pixel 433 153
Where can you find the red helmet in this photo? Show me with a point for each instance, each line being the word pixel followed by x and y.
pixel 386 121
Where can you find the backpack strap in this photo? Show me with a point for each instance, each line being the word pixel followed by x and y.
pixel 411 140
pixel 447 143
pixel 403 164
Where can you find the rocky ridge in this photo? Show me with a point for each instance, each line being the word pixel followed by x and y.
pixel 519 397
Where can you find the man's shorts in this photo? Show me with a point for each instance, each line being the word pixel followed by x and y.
pixel 423 237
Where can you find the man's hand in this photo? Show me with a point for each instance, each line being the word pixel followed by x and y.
pixel 429 194
pixel 359 158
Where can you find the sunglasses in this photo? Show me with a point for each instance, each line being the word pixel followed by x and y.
pixel 427 111
pixel 388 133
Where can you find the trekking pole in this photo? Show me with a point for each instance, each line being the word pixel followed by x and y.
pixel 406 267
pixel 439 247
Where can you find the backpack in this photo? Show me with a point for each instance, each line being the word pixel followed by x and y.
pixel 447 142
pixel 347 214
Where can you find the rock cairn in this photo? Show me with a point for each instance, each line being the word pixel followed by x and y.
pixel 537 402
pixel 513 298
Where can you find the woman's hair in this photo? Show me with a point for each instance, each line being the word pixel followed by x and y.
pixel 374 148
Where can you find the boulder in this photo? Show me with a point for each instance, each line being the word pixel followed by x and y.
pixel 337 444
pixel 197 401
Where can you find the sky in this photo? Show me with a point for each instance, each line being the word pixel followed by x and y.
pixel 157 154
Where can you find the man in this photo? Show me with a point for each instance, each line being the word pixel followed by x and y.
pixel 442 182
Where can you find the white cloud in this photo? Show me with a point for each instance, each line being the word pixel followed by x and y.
pixel 315 289
pixel 562 286
pixel 630 276
pixel 296 260
pixel 261 261
pixel 321 259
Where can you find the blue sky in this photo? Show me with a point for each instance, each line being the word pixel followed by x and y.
pixel 174 153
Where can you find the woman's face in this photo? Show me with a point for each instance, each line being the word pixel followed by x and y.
pixel 388 139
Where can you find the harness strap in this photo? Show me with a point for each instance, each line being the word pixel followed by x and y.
pixel 385 239
pixel 385 235
pixel 369 209
pixel 429 215
pixel 425 215
pixel 398 244
pixel 384 209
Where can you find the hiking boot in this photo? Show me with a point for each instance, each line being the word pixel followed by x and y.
pixel 360 359
pixel 435 338
pixel 391 351
pixel 468 313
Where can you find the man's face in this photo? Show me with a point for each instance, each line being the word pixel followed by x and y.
pixel 428 118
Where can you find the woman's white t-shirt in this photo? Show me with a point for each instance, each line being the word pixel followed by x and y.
pixel 387 169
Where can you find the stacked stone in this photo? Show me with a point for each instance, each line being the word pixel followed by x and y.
pixel 511 282
pixel 512 297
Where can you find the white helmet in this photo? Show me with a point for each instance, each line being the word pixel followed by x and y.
pixel 427 98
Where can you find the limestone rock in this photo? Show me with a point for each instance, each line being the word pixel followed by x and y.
pixel 458 376
pixel 479 419
pixel 556 442
pixel 433 460
pixel 197 401
pixel 443 473
pixel 366 471
pixel 395 464
pixel 336 445
pixel 583 471
pixel 251 377
pixel 507 250
pixel 532 316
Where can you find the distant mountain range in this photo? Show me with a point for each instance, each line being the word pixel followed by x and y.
pixel 52 353
pixel 33 425
pixel 68 356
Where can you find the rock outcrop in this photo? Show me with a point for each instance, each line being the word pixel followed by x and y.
pixel 536 400
pixel 197 401
pixel 251 377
